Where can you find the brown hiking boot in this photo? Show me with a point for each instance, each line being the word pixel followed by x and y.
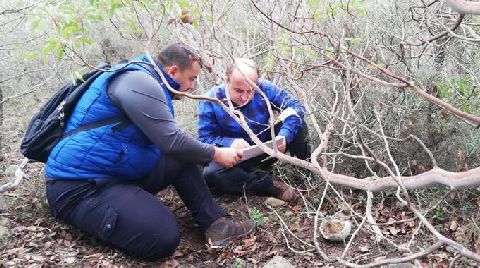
pixel 283 192
pixel 221 231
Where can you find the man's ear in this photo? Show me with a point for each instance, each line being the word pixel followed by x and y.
pixel 172 70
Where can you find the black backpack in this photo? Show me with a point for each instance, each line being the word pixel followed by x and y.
pixel 46 128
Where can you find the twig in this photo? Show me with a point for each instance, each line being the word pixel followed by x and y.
pixel 35 88
pixel 316 227
pixel 285 227
pixel 434 162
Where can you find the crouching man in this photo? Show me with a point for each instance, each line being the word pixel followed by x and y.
pixel 216 127
pixel 103 180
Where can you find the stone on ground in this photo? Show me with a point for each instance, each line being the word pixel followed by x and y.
pixel 278 262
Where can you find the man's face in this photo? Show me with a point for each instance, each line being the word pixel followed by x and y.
pixel 240 89
pixel 186 78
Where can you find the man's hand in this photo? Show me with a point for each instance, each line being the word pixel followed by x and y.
pixel 239 144
pixel 227 157
pixel 282 147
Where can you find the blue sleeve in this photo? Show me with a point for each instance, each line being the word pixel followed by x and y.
pixel 209 130
pixel 282 101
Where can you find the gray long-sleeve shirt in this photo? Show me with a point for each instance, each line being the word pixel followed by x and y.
pixel 142 99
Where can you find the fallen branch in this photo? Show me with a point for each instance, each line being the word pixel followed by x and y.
pixel 19 175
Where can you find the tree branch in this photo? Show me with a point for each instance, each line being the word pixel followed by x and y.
pixel 464 7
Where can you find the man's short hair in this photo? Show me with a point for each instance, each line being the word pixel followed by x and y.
pixel 248 62
pixel 177 54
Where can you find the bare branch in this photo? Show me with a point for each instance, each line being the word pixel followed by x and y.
pixel 464 7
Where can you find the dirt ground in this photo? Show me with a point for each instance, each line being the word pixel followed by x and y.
pixel 37 239
pixel 33 238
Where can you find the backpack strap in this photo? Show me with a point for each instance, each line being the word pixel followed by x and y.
pixel 100 123
pixel 122 120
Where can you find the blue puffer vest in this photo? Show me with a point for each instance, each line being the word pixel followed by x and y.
pixel 102 152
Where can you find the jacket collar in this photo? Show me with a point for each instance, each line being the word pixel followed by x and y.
pixel 152 70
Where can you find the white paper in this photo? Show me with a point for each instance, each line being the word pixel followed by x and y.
pixel 254 150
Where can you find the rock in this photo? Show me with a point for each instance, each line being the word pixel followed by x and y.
pixel 274 202
pixel 335 229
pixel 70 260
pixel 278 262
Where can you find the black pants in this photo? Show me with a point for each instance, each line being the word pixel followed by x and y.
pixel 254 175
pixel 127 215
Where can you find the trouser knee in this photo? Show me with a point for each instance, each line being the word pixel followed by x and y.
pixel 153 241
pixel 238 181
pixel 159 248
pixel 212 176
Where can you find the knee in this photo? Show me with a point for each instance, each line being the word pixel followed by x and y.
pixel 163 246
pixel 209 170
pixel 157 246
pixel 154 239
pixel 210 175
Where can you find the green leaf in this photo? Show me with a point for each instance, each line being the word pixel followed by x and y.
pixel 317 16
pixel 209 18
pixel 329 52
pixel 69 29
pixel 195 24
pixel 35 24
pixel 361 11
pixel 30 56
pixel 52 44
pixel 183 4
pixel 354 41
pixel 195 11
pixel 114 5
pixel 85 40
pixel 60 52
pixel 139 31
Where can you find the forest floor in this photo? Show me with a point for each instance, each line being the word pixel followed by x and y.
pixel 33 238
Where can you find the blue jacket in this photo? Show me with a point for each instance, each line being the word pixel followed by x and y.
pixel 102 152
pixel 216 127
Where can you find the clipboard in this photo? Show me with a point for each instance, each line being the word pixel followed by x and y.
pixel 254 150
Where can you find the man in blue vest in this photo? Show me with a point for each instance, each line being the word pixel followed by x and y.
pixel 104 180
pixel 216 127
